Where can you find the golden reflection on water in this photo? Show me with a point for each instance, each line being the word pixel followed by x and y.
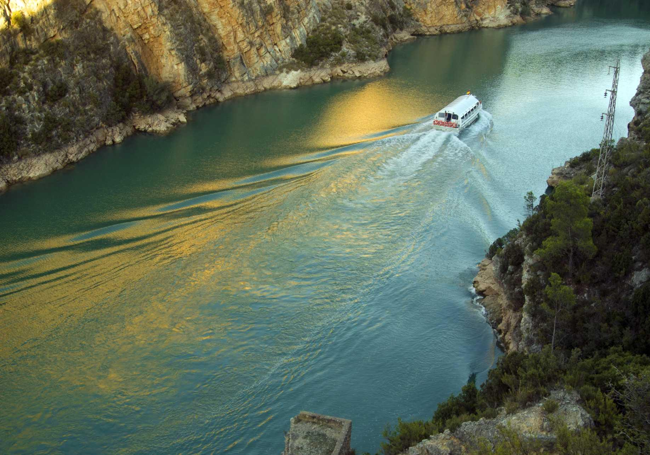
pixel 377 106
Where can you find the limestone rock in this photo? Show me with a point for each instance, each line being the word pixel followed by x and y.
pixel 563 3
pixel 640 277
pixel 531 423
pixel 161 123
pixel 560 174
pixel 500 313
pixel 641 101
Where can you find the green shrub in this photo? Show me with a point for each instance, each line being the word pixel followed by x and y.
pixel 157 94
pixel 466 403
pixel 364 42
pixel 45 132
pixel 502 242
pixel 405 435
pixel 319 46
pixel 586 157
pixel 6 78
pixel 18 19
pixel 379 20
pixel 550 406
pixel 511 406
pixel 407 13
pixel 8 134
pixel 396 21
pixel 581 442
pixel 56 91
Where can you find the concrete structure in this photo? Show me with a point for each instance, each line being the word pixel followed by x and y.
pixel 315 434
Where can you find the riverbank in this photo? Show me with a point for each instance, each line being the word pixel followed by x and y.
pixel 36 167
pixel 33 167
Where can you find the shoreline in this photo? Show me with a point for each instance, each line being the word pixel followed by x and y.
pixel 492 297
pixel 166 121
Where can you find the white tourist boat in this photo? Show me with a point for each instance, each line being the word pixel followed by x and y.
pixel 458 115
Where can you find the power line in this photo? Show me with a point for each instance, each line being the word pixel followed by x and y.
pixel 607 144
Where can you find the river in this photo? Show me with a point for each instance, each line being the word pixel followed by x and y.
pixel 301 250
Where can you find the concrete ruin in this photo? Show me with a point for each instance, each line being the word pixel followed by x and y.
pixel 315 434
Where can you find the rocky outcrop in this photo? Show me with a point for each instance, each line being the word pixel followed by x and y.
pixel 316 434
pixel 502 315
pixel 563 3
pixel 641 103
pixel 442 16
pixel 532 424
pixel 290 80
pixel 560 174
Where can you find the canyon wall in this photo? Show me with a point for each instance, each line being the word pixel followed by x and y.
pixel 183 42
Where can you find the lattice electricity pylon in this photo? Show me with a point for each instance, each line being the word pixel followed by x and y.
pixel 607 144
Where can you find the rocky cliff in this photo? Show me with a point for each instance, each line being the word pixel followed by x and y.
pixel 184 42
pixel 78 74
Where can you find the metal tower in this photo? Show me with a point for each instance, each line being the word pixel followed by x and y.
pixel 607 144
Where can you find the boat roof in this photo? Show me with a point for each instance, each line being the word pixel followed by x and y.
pixel 461 104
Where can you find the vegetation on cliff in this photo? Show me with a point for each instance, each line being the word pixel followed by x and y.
pixel 62 88
pixel 587 293
pixel 354 33
pixel 66 87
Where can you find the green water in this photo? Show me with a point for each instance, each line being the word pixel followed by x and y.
pixel 309 249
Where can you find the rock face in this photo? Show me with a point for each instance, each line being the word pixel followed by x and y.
pixel 443 16
pixel 532 424
pixel 641 102
pixel 169 39
pixel 500 312
pixel 560 174
pixel 177 41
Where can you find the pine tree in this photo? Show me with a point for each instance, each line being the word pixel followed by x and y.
pixel 560 297
pixel 570 225
pixel 529 203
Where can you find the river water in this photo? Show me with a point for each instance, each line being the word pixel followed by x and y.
pixel 309 249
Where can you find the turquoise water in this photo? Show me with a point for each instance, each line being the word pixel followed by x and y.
pixel 309 249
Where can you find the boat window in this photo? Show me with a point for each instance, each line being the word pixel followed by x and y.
pixel 441 115
pixel 455 116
